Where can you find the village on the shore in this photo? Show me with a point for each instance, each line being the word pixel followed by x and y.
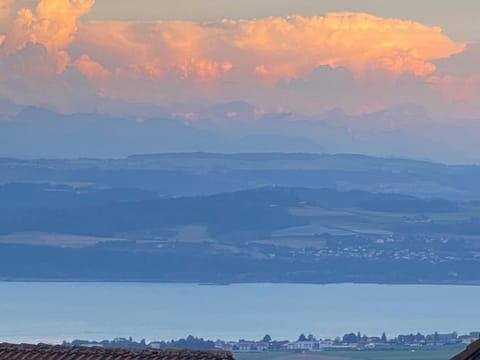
pixel 304 343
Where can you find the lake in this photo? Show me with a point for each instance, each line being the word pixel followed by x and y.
pixel 52 312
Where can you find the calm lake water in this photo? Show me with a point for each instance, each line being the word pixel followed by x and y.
pixel 52 312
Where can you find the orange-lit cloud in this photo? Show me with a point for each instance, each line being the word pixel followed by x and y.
pixel 272 48
pixel 155 50
pixel 52 25
pixel 292 47
pixel 184 61
pixel 91 69
pixel 94 72
pixel 5 9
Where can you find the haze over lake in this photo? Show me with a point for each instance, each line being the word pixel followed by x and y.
pixel 52 312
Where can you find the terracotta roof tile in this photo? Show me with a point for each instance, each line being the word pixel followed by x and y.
pixel 48 352
pixel 471 353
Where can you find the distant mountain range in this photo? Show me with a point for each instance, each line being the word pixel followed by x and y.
pixel 232 128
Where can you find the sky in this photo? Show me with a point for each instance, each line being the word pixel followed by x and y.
pixel 301 57
pixel 457 18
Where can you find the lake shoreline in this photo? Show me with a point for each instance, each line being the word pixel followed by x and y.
pixel 204 283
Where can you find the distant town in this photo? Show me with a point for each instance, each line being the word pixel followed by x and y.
pixel 304 343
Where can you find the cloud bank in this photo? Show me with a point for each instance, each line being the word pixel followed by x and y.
pixel 49 56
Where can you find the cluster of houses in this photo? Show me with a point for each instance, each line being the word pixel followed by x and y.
pixel 350 342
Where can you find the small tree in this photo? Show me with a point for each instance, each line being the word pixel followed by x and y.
pixel 350 338
pixel 302 337
pixel 267 338
pixel 384 337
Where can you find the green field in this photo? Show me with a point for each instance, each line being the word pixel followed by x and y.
pixel 443 354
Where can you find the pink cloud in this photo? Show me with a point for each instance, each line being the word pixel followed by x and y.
pixel 183 61
pixel 53 24
pixel 277 48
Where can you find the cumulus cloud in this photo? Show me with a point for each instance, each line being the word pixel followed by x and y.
pixel 245 59
pixel 5 7
pixel 91 69
pixel 271 48
pixel 155 50
pixel 350 60
pixel 34 50
pixel 291 47
pixel 52 24
pixel 6 10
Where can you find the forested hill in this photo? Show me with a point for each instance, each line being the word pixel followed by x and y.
pixel 239 218
pixel 204 173
pixel 59 209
